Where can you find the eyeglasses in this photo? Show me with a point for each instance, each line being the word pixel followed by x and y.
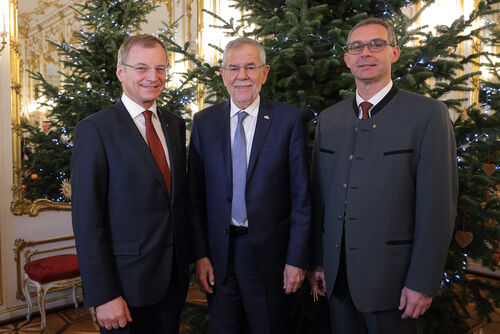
pixel 376 45
pixel 234 70
pixel 142 69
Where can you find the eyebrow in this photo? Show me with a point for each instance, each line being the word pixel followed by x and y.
pixel 247 64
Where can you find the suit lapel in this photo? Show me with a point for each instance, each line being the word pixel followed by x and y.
pixel 137 142
pixel 223 122
pixel 264 121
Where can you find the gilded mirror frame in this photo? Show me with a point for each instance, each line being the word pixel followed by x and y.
pixel 21 205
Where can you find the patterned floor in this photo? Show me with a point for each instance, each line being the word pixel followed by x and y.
pixel 65 321
pixel 79 321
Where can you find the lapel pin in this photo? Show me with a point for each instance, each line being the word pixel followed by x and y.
pixel 374 126
pixel 266 117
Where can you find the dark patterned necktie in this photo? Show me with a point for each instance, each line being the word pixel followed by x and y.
pixel 157 150
pixel 365 106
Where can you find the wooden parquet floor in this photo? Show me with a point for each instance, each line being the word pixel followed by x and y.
pixel 79 321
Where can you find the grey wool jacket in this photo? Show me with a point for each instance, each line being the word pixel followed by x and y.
pixel 392 181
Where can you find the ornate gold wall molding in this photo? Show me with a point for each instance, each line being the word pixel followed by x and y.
pixel 476 47
pixel 35 52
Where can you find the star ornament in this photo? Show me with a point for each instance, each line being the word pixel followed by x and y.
pixel 66 189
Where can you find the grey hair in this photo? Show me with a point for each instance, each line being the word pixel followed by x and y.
pixel 374 20
pixel 241 41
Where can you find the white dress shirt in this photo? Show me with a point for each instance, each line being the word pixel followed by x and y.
pixel 373 100
pixel 136 112
pixel 249 124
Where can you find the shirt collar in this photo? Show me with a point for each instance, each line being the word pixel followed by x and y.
pixel 252 109
pixel 375 98
pixel 134 109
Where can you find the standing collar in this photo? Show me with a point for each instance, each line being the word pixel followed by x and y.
pixel 134 109
pixel 252 110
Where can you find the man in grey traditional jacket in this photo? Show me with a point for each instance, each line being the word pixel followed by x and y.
pixel 384 194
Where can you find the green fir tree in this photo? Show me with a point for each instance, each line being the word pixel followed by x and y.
pixel 90 84
pixel 304 44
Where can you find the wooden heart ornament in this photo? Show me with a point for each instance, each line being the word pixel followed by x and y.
pixel 463 238
pixel 489 169
pixel 490 223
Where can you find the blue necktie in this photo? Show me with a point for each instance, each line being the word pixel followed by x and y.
pixel 239 207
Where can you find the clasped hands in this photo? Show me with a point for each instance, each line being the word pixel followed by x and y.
pixel 292 276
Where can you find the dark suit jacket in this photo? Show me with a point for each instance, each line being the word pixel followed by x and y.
pixel 124 222
pixel 277 194
pixel 393 180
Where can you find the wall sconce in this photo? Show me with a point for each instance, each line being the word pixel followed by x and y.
pixel 3 33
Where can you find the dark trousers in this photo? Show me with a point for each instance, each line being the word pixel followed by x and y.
pixel 240 303
pixel 347 319
pixel 162 317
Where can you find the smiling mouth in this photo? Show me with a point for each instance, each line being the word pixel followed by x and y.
pixel 367 66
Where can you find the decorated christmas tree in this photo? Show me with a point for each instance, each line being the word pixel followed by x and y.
pixel 90 84
pixel 304 44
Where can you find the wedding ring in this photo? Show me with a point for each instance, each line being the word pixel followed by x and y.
pixel 108 326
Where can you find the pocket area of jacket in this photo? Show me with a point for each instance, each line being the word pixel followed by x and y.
pixel 326 150
pixel 406 151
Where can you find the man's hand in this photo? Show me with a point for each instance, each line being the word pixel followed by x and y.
pixel 317 281
pixel 205 274
pixel 414 303
pixel 292 278
pixel 113 314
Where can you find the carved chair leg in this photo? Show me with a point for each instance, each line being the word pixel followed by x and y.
pixel 27 297
pixel 75 300
pixel 92 313
pixel 41 304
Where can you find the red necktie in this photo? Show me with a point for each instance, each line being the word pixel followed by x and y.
pixel 365 106
pixel 157 150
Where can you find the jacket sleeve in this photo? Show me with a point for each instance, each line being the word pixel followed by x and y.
pixel 300 215
pixel 317 205
pixel 436 202
pixel 89 183
pixel 196 197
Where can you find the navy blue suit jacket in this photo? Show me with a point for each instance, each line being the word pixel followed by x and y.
pixel 277 193
pixel 125 224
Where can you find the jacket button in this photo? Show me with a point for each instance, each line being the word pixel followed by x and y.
pixel 229 199
pixel 340 217
pixel 344 186
pixel 336 245
pixel 351 157
pixel 226 231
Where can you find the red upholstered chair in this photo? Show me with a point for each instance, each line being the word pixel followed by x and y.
pixel 59 271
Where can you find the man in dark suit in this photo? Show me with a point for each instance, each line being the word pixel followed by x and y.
pixel 128 182
pixel 249 197
pixel 384 192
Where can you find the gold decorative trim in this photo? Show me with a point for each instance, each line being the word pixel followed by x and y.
pixel 201 56
pixel 476 48
pixel 20 245
pixel 19 204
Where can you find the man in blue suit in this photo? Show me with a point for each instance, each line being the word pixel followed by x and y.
pixel 128 183
pixel 249 197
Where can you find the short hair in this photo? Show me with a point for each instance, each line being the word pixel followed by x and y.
pixel 241 41
pixel 145 40
pixel 374 20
